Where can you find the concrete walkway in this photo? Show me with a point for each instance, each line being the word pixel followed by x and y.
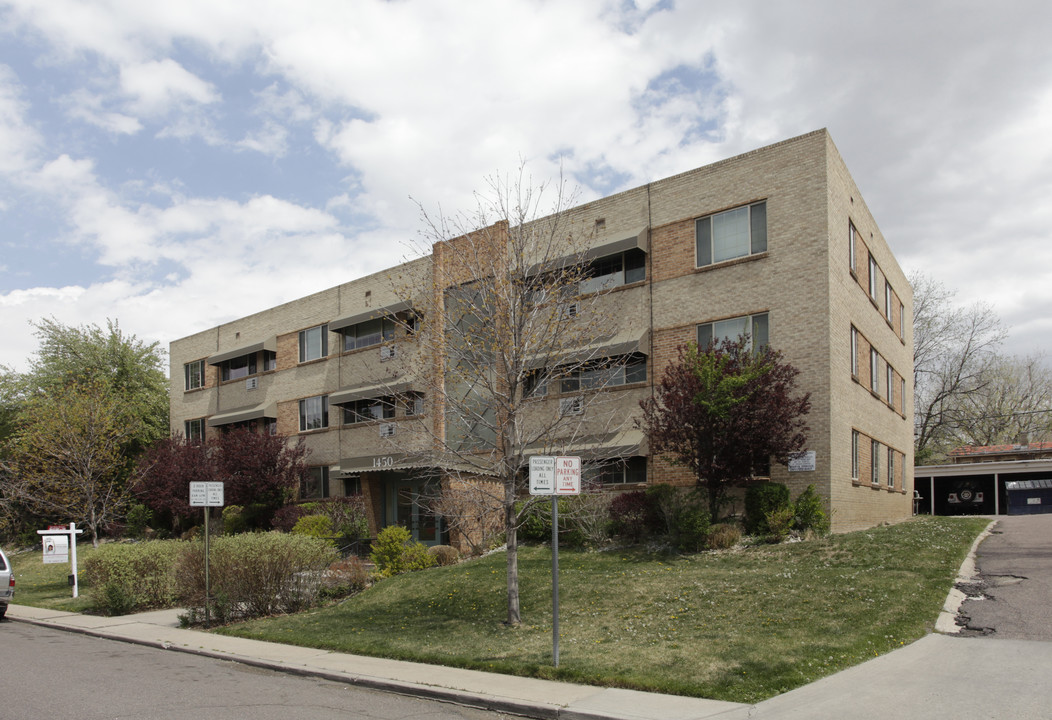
pixel 940 676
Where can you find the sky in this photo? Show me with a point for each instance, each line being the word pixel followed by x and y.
pixel 173 166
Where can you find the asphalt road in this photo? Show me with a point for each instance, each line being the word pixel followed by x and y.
pixel 1011 599
pixel 50 673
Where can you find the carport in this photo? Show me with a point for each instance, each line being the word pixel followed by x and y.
pixel 1029 497
pixel 979 488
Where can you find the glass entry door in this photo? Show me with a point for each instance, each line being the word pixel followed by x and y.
pixel 409 505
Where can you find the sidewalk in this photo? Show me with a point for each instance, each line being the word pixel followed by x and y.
pixel 528 697
pixel 938 677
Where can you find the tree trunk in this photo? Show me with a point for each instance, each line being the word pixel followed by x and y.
pixel 512 533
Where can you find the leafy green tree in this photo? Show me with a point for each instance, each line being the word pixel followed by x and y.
pixel 130 370
pixel 69 456
pixel 725 413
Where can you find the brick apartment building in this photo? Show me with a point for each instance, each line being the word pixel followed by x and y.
pixel 777 243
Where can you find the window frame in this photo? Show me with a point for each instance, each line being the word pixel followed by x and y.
pixel 854 351
pixel 309 345
pixel 874 371
pixel 756 236
pixel 307 413
pixel 385 334
pixel 188 429
pixel 751 324
pixel 891 468
pixel 855 467
pixel 251 368
pixel 872 277
pixel 852 251
pixel 322 483
pixel 187 374
pixel 874 452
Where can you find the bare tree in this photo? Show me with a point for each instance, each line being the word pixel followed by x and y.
pixel 522 341
pixel 1015 403
pixel 954 352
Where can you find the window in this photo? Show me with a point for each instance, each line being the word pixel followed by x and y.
pixel 731 234
pixel 890 382
pixel 612 373
pixel 270 426
pixel 854 454
pixel 195 374
pixel 314 343
pixel 874 453
pixel 617 472
pixel 314 413
pixel 614 271
pixel 854 351
pixel 755 326
pixel 851 245
pixel 413 403
pixel 535 384
pixel 194 429
pixel 902 321
pixel 874 371
pixel 239 367
pixel 316 485
pixel 369 409
pixel 888 294
pixel 368 333
pixel 891 468
pixel 902 395
pixel 352 485
pixel 270 360
pixel 872 278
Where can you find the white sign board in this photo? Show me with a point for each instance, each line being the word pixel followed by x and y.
pixel 802 461
pixel 56 549
pixel 542 475
pixel 206 494
pixel 567 476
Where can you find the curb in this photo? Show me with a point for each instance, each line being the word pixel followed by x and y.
pixel 946 623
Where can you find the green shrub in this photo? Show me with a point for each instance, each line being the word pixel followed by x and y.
pixel 537 525
pixel 138 520
pixel 628 515
pixel 318 526
pixel 723 536
pixel 810 513
pixel 255 574
pixel 690 529
pixel 394 552
pixel 126 577
pixel 444 554
pixel 779 523
pixel 760 500
pixel 663 505
pixel 234 520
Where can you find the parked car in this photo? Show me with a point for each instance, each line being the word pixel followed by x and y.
pixel 7 584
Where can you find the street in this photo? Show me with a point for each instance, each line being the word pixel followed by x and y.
pixel 55 674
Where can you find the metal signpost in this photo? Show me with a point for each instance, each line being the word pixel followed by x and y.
pixel 206 495
pixel 60 544
pixel 551 475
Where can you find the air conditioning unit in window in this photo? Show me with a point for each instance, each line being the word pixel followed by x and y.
pixel 387 352
pixel 387 430
pixel 251 383
pixel 569 310
pixel 571 406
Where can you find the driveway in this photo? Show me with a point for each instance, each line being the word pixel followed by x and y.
pixel 1011 597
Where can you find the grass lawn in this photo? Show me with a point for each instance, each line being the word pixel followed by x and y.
pixel 47 586
pixel 739 625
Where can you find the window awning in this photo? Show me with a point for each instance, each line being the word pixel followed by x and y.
pixel 244 414
pixel 589 448
pixel 635 240
pixel 362 392
pixel 386 311
pixel 270 344
pixel 626 343
pixel 632 240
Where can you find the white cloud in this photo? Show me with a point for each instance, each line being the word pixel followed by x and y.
pixel 156 87
pixel 19 141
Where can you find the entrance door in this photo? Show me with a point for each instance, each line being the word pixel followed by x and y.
pixel 409 506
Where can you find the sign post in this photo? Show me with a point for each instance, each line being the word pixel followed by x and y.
pixel 60 545
pixel 555 476
pixel 207 495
